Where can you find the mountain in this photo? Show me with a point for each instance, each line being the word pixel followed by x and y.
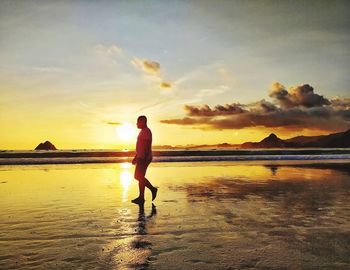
pixel 334 140
pixel 272 141
pixel 46 146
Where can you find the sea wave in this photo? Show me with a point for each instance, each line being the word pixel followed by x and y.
pixel 217 156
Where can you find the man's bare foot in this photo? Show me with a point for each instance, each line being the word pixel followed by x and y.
pixel 154 193
pixel 138 200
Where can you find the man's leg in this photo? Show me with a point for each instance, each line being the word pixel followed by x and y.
pixel 153 189
pixel 141 189
pixel 148 184
pixel 141 197
pixel 139 176
pixel 140 172
pixel 142 184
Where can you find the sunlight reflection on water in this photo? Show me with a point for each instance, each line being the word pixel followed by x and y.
pixel 210 215
pixel 125 180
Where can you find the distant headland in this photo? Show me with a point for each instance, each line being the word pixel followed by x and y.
pixel 45 146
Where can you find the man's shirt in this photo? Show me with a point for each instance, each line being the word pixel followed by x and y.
pixel 144 144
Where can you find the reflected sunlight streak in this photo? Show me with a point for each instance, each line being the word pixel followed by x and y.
pixel 125 165
pixel 125 180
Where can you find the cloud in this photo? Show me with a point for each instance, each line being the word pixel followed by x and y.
pixel 111 50
pixel 151 66
pixel 165 85
pixel 292 119
pixel 49 69
pixel 205 110
pixel 341 103
pixel 262 106
pixel 239 121
pixel 152 71
pixel 297 108
pixel 302 96
pixel 208 92
pixel 113 123
pixel 148 66
pixel 107 58
pixel 182 121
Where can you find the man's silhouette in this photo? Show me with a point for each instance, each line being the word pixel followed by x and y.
pixel 142 159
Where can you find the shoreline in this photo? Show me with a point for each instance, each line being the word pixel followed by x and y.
pixel 82 157
pixel 170 152
pixel 222 160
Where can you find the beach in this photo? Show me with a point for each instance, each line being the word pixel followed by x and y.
pixel 268 214
pixel 174 135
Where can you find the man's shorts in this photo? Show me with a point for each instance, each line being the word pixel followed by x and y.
pixel 140 169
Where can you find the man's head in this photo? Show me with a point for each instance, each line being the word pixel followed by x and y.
pixel 141 122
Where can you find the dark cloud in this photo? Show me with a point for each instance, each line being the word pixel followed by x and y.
pixel 151 66
pixel 302 96
pixel 148 66
pixel 165 85
pixel 205 110
pixel 345 114
pixel 298 108
pixel 290 119
pixel 262 106
pixel 240 121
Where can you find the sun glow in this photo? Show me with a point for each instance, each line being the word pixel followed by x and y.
pixel 126 131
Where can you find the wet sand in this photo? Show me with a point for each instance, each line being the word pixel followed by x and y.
pixel 208 215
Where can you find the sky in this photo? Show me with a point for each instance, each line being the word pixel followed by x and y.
pixel 203 72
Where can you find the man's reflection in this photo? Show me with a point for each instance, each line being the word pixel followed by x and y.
pixel 142 219
pixel 140 242
pixel 273 169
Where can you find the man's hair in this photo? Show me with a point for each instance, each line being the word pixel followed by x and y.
pixel 142 118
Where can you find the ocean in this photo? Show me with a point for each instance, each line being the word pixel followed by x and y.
pixel 11 157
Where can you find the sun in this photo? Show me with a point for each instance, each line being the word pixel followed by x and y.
pixel 126 131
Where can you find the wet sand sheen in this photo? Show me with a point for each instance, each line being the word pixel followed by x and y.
pixel 210 215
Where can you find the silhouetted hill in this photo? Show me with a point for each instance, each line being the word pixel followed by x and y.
pixel 272 141
pixel 335 140
pixel 46 146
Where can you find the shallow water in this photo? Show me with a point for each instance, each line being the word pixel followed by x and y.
pixel 208 215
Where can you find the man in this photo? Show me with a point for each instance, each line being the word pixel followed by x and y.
pixel 142 159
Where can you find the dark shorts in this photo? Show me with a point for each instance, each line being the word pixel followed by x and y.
pixel 140 169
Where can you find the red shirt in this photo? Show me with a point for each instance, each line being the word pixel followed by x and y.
pixel 144 144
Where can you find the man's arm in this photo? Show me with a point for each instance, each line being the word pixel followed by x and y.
pixel 134 160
